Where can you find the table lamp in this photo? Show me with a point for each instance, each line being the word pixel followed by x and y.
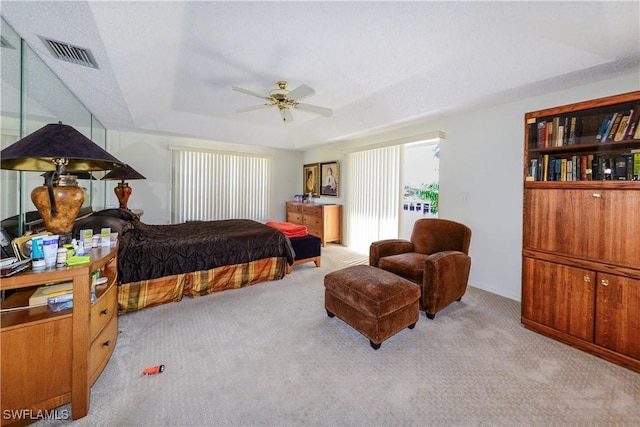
pixel 122 190
pixel 56 147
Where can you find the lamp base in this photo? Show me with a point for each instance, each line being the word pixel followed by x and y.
pixel 68 202
pixel 123 191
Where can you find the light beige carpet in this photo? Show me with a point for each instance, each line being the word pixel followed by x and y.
pixel 268 355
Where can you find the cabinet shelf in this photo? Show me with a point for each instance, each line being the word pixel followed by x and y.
pixel 16 310
pixel 592 140
pixel 592 148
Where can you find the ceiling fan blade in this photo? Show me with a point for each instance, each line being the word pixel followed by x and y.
pixel 250 92
pixel 300 92
pixel 253 107
pixel 286 115
pixel 315 109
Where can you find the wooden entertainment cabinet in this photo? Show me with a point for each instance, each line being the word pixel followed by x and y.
pixel 52 358
pixel 322 220
pixel 581 227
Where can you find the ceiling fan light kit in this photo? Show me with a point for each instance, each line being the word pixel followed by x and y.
pixel 285 99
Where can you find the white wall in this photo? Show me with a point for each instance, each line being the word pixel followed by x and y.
pixel 149 155
pixel 481 165
pixel 481 176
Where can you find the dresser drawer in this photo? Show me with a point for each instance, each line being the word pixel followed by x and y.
pixel 313 221
pixel 294 207
pixel 315 231
pixel 103 310
pixel 294 218
pixel 312 211
pixel 102 347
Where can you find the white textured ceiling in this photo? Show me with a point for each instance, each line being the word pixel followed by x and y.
pixel 169 66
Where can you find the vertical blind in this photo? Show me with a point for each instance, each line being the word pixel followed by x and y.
pixel 373 205
pixel 215 185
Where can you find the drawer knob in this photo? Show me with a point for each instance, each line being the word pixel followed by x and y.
pixel 105 311
pixel 604 282
pixel 597 195
pixel 107 343
pixel 587 279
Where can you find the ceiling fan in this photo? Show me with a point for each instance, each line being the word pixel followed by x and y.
pixel 285 99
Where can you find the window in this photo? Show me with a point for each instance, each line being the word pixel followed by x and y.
pixel 374 179
pixel 373 185
pixel 209 185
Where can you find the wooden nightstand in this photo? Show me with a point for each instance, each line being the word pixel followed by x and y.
pixel 52 358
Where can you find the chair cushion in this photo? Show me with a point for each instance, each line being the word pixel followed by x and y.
pixel 409 265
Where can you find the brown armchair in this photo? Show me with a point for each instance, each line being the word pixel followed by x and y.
pixel 436 258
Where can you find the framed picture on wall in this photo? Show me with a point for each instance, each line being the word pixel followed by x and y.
pixel 329 179
pixel 311 179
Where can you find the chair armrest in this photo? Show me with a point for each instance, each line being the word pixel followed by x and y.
pixel 445 277
pixel 388 247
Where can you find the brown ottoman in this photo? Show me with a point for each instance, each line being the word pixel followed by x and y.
pixel 376 303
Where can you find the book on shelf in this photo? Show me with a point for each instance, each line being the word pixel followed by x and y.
pixel 573 130
pixel 622 128
pixel 533 169
pixel 560 136
pixel 633 122
pixel 634 127
pixel 612 128
pixel 552 169
pixel 620 169
pixel 569 170
pixel 629 160
pixel 542 132
pixel 549 137
pixel 555 132
pixel 545 167
pixel 43 293
pixel 603 128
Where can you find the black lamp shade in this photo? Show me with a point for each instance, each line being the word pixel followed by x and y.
pixel 123 173
pixel 36 151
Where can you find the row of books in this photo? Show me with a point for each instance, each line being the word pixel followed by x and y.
pixel 563 131
pixel 585 168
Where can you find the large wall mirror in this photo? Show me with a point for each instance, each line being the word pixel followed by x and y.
pixel 32 96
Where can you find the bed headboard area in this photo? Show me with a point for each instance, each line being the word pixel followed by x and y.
pixel 118 220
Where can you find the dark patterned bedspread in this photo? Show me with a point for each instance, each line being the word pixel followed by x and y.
pixel 152 251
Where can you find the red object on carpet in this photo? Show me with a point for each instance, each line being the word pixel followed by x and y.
pixel 290 230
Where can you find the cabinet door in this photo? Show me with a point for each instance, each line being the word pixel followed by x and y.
pixel 36 364
pixel 619 226
pixel 618 314
pixel 559 296
pixel 593 224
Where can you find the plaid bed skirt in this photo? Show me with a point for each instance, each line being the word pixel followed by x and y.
pixel 148 293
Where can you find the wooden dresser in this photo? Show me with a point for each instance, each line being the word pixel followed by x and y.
pixel 323 221
pixel 52 358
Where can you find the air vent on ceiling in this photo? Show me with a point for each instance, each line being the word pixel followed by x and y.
pixel 69 53
pixel 5 43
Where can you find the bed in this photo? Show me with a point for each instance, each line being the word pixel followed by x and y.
pixel 158 264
